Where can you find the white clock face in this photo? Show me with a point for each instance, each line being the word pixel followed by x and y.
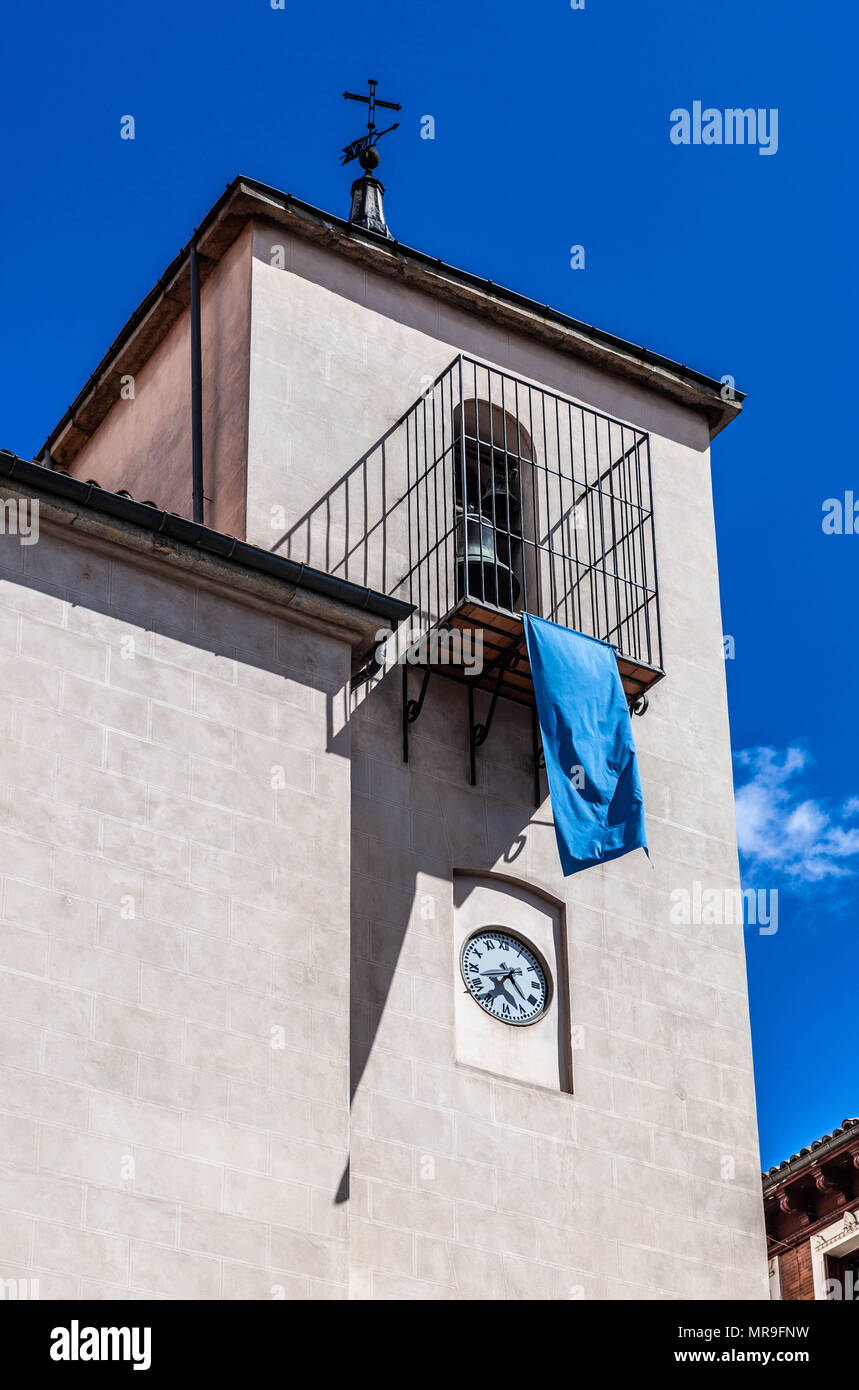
pixel 504 975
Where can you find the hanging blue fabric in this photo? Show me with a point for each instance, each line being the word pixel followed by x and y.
pixel 588 745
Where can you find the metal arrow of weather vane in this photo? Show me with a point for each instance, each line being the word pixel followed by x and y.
pixel 364 148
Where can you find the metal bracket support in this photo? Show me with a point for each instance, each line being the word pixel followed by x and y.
pixel 412 708
pixel 478 733
pixel 539 756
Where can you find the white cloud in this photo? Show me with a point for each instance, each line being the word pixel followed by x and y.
pixel 778 827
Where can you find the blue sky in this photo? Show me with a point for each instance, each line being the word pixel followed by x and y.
pixel 552 129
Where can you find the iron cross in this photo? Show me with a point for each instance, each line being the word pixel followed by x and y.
pixel 366 142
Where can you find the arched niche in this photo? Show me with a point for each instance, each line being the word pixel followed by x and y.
pixel 495 496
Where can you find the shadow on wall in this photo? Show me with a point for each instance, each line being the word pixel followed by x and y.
pixel 447 821
pixel 440 821
pixel 413 826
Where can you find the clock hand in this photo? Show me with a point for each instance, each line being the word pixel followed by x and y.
pixel 517 989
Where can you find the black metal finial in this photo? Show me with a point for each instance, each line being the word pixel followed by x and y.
pixel 364 148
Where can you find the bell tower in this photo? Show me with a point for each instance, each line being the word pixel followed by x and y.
pixel 544 1072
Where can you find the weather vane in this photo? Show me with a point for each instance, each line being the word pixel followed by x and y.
pixel 364 148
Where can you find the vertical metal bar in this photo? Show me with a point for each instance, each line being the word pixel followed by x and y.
pixel 578 590
pixel 566 523
pixel 417 504
pixel 655 566
pixel 384 519
pixel 549 530
pixel 329 538
pixel 535 512
pixel 491 489
pixel 560 509
pixel 507 508
pixel 614 544
pixel 635 530
pixel 644 555
pixel 441 465
pixel 432 486
pixel 602 529
pixel 642 543
pixel 478 509
pixel 628 551
pixel 464 482
pixel 520 501
pixel 639 539
pixel 453 446
pixel 592 535
pixel 423 522
pixel 197 506
pixel 409 518
pixel 405 710
pixel 505 528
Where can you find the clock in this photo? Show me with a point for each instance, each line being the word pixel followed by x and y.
pixel 505 976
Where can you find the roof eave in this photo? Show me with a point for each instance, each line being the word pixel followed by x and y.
pixel 245 199
pixel 840 1138
pixel 357 612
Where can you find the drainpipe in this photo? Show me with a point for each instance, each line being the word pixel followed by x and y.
pixel 196 392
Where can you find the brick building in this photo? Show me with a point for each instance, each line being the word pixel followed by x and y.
pixel 243 848
pixel 811 1202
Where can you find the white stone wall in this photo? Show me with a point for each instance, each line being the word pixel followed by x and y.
pixel 645 1183
pixel 164 908
pixel 148 1037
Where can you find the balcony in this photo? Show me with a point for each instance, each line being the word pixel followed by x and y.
pixel 491 497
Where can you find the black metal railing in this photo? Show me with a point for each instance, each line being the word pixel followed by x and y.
pixel 493 491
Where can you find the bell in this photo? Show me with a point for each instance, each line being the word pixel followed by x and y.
pixel 500 506
pixel 500 500
pixel 482 574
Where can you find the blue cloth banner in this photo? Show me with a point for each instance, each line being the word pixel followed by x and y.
pixel 588 745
